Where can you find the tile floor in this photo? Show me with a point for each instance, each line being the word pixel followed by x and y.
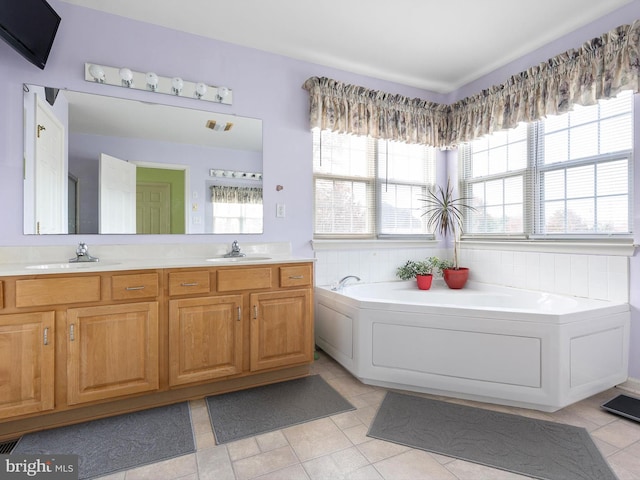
pixel 338 448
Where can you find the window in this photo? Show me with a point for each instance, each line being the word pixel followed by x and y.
pixel 366 188
pixel 236 209
pixel 565 175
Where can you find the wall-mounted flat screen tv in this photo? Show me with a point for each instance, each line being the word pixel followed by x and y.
pixel 29 26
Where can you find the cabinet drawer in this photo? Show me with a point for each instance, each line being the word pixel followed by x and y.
pixel 243 279
pixel 125 287
pixel 297 276
pixel 184 283
pixel 57 291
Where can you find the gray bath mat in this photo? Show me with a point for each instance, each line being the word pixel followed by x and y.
pixel 537 448
pixel 246 413
pixel 118 443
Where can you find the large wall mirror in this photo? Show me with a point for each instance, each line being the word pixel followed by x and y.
pixel 96 164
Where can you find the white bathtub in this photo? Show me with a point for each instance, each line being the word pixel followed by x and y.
pixel 484 342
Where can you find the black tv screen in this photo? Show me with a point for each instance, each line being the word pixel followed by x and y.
pixel 29 26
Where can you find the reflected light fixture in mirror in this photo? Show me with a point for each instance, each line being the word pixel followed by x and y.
pixel 151 82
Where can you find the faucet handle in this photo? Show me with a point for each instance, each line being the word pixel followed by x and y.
pixel 82 249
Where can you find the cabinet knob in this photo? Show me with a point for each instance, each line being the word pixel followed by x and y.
pixel 194 284
pixel 296 277
pixel 239 313
pixel 255 311
pixel 141 287
pixel 72 332
pixel 45 336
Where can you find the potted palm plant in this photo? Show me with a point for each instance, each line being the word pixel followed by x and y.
pixel 445 214
pixel 422 271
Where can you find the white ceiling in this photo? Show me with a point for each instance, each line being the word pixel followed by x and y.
pixel 437 45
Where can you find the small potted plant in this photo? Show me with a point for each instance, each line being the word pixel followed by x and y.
pixel 422 271
pixel 446 214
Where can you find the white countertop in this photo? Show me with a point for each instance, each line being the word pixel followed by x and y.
pixel 50 260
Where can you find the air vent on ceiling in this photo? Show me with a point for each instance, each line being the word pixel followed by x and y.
pixel 219 126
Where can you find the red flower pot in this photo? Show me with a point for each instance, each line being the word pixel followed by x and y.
pixel 455 278
pixel 424 281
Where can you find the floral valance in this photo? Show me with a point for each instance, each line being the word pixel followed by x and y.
pixel 227 194
pixel 601 68
pixel 346 108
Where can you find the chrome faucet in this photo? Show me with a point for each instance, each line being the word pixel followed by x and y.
pixel 82 254
pixel 235 250
pixel 343 282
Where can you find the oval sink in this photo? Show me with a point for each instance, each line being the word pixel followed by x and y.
pixel 236 259
pixel 69 266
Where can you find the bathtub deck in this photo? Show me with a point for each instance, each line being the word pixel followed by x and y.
pixel 544 359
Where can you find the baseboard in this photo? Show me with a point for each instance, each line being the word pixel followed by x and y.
pixel 632 385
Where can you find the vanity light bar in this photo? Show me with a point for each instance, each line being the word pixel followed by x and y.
pixel 214 172
pixel 150 82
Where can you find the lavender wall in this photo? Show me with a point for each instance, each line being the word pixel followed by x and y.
pixel 265 86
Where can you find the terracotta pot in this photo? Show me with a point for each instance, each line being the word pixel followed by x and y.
pixel 424 281
pixel 455 278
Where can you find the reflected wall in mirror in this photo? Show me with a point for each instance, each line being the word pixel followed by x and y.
pixel 99 164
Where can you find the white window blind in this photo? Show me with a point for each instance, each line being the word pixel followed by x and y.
pixel 583 165
pixel 495 172
pixel 366 188
pixel 562 176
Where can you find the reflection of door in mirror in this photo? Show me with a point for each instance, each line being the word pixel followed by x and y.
pixel 153 207
pixel 50 176
pixel 161 198
pixel 117 201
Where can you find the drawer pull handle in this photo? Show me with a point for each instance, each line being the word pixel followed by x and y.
pixel 255 311
pixel 72 332
pixel 296 277
pixel 141 287
pixel 46 336
pixel 194 284
pixel 239 314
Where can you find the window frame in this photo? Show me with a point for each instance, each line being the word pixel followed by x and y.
pixel 377 183
pixel 533 196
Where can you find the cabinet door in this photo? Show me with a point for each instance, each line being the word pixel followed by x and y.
pixel 281 329
pixel 205 338
pixel 112 351
pixel 27 353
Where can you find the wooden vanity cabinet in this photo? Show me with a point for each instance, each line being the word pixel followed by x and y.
pixel 205 338
pixel 281 328
pixel 27 361
pixel 85 345
pixel 107 339
pixel 112 351
pixel 248 312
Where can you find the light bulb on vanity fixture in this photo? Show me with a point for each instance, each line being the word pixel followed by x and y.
pixel 97 73
pixel 223 92
pixel 152 81
pixel 201 90
pixel 126 77
pixel 176 85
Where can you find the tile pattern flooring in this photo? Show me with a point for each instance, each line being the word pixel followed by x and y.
pixel 338 448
